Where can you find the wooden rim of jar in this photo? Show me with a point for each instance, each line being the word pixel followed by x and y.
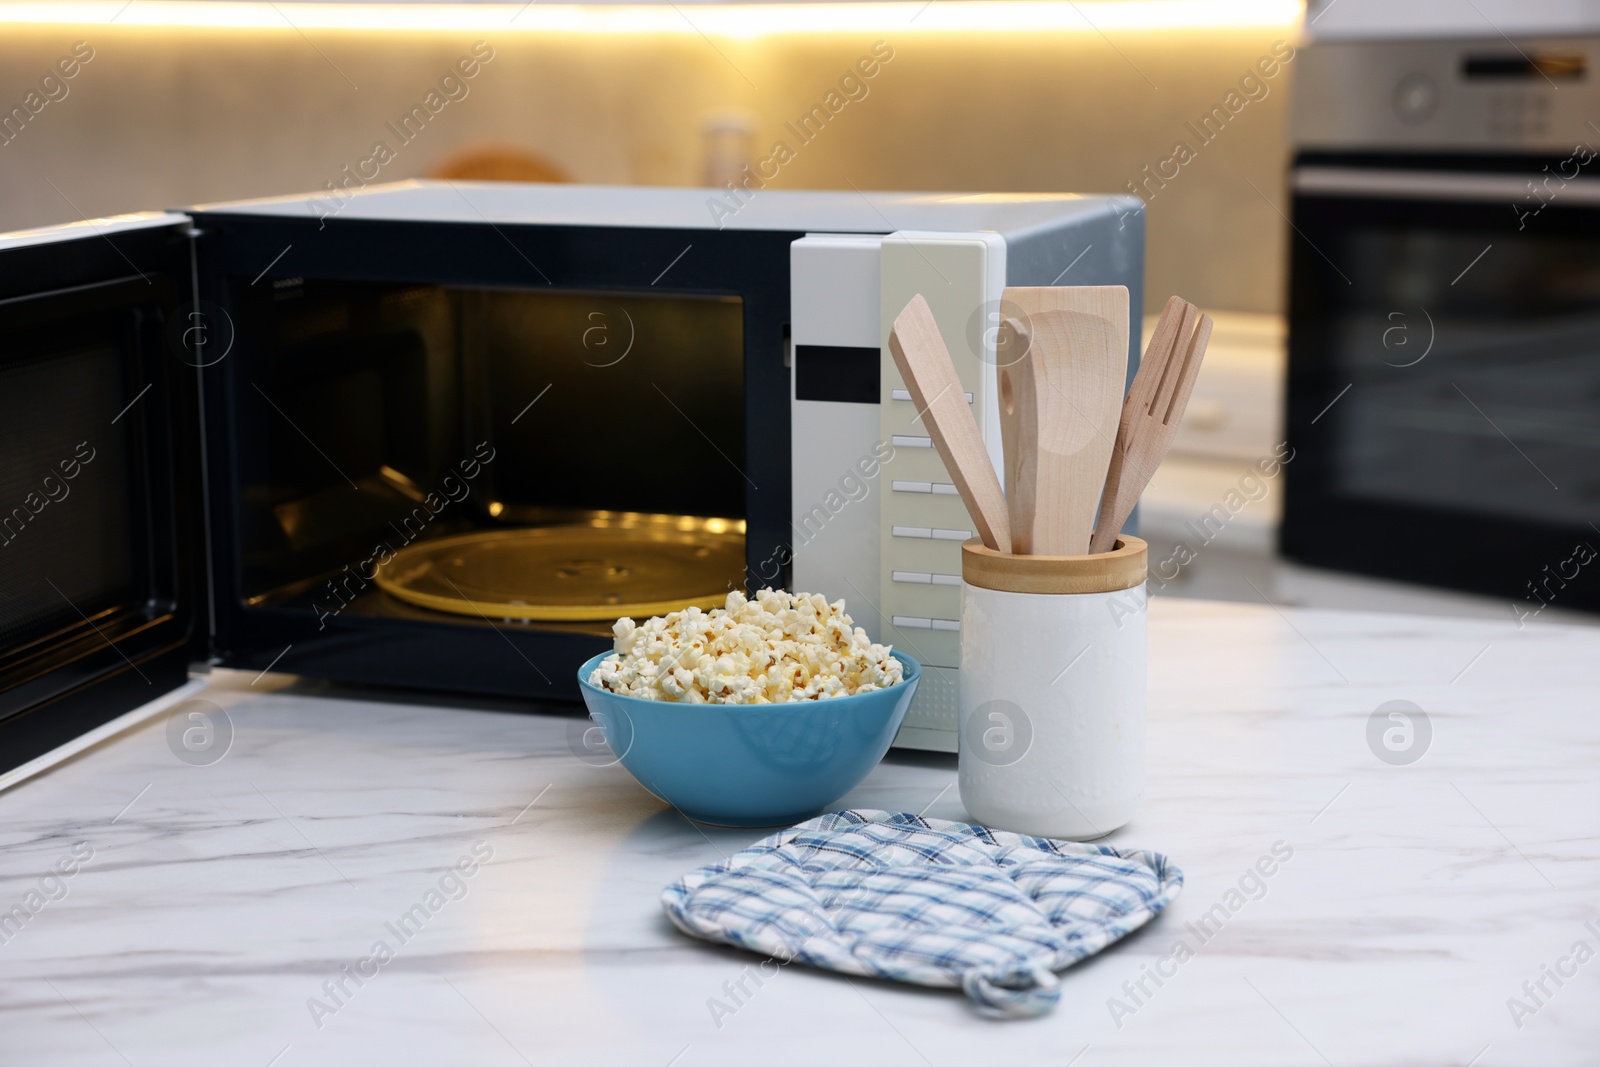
pixel 1102 572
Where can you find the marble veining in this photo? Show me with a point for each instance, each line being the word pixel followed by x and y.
pixel 222 909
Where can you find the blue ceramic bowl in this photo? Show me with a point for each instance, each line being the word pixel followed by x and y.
pixel 751 764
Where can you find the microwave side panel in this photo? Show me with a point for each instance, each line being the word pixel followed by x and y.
pixel 1100 248
pixel 922 520
pixel 836 450
pixel 1103 248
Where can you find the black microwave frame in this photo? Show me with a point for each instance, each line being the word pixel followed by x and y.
pixel 1467 551
pixel 67 683
pixel 201 259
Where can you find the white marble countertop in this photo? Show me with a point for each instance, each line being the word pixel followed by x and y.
pixel 210 904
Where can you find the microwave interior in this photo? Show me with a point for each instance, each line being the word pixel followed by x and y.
pixel 539 458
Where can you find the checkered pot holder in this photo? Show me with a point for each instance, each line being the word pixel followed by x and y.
pixel 933 903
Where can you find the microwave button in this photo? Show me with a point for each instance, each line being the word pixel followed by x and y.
pixel 913 622
pixel 905 394
pixel 908 441
pixel 947 624
pixel 911 487
pixel 913 531
pixel 947 579
pixel 917 577
pixel 944 489
pixel 952 535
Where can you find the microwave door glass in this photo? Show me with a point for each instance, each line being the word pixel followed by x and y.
pixel 100 587
pixel 66 557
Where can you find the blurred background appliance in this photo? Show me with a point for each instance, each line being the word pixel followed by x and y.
pixel 1444 314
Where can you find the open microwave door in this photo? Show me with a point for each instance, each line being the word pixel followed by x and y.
pixel 101 544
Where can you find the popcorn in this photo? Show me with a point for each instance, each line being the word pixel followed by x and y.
pixel 779 647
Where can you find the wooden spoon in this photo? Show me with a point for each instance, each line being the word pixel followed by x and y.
pixel 1015 376
pixel 1152 413
pixel 924 361
pixel 1062 399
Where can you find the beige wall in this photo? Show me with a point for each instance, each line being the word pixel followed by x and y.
pixel 169 117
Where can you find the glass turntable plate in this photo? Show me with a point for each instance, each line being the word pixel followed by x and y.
pixel 571 573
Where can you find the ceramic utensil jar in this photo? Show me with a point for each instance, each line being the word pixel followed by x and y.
pixel 1053 689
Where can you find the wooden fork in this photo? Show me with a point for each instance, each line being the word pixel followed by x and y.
pixel 1152 413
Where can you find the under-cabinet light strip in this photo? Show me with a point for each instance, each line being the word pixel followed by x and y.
pixel 738 21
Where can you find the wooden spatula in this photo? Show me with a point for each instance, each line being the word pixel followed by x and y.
pixel 924 361
pixel 1063 398
pixel 1152 413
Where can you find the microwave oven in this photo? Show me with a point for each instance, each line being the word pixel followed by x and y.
pixel 440 435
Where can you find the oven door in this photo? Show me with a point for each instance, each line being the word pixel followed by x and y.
pixel 99 461
pixel 1444 378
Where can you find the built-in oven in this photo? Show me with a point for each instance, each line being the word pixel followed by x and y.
pixel 442 436
pixel 1444 317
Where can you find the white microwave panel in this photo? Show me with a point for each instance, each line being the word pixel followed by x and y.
pixel 922 522
pixel 835 447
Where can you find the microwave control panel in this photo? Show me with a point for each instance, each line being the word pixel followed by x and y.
pixel 877 519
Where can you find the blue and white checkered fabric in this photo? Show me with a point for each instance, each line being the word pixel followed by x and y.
pixel 933 903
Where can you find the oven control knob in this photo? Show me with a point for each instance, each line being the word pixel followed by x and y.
pixel 1415 98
